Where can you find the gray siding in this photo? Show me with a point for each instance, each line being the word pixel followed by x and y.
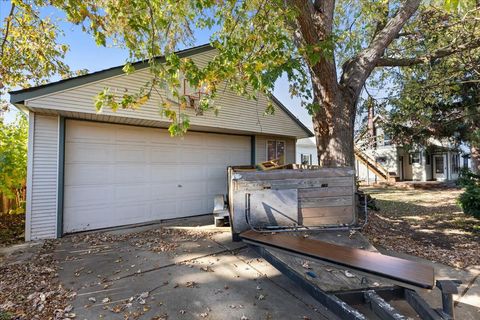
pixel 42 215
pixel 261 148
pixel 236 112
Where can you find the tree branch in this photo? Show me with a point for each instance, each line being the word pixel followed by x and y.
pixel 7 28
pixel 357 69
pixel 441 53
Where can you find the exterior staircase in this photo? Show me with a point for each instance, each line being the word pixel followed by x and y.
pixel 373 165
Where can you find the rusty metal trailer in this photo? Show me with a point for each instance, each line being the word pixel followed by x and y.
pixel 304 222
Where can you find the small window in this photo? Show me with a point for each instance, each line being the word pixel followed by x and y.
pixel 414 158
pixel 381 160
pixel 276 150
pixel 387 140
pixel 427 158
pixel 455 163
pixel 306 158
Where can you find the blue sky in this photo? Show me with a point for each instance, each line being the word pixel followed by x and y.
pixel 85 54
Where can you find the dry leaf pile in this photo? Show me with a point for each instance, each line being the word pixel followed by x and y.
pixel 425 223
pixel 12 228
pixel 156 240
pixel 31 289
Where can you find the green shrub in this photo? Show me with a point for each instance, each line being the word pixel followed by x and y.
pixel 5 315
pixel 467 178
pixel 469 200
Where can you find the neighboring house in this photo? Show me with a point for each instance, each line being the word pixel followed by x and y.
pixel 307 151
pixel 89 170
pixel 379 159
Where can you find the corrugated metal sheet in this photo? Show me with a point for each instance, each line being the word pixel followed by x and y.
pixel 43 206
pixel 236 112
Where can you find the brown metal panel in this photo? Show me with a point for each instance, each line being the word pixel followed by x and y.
pixel 366 261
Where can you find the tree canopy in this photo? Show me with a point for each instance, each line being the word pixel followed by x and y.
pixel 13 157
pixel 29 50
pixel 327 49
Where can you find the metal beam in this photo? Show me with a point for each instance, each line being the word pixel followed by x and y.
pixel 381 307
pixel 448 288
pixel 331 302
pixel 421 306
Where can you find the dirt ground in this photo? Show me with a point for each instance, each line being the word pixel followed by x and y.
pixel 424 223
pixel 12 229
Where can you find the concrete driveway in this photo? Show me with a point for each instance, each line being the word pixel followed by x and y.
pixel 188 269
pixel 186 272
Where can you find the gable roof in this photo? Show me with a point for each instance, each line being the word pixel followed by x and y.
pixel 20 96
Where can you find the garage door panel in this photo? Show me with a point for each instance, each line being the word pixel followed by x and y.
pixel 191 206
pixel 91 132
pixel 132 173
pixel 193 172
pixel 163 173
pixel 164 191
pixel 192 155
pixel 131 134
pixel 166 209
pixel 131 153
pixel 167 155
pixel 193 188
pixel 79 152
pixel 125 193
pixel 142 174
pixel 87 174
pixel 84 196
pixel 217 187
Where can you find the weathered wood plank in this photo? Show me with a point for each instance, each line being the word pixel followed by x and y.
pixel 327 221
pixel 326 211
pixel 295 174
pixel 326 202
pixel 294 183
pixel 407 271
pixel 325 192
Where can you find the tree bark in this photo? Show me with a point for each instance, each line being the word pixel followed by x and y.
pixel 336 101
pixel 333 125
pixel 475 159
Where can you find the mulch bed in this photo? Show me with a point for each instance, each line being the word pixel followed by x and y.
pixel 12 229
pixel 426 224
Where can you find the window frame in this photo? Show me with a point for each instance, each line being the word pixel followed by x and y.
pixel 410 158
pixel 283 161
pixel 309 155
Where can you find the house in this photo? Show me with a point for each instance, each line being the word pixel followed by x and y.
pixel 89 170
pixel 307 151
pixel 378 158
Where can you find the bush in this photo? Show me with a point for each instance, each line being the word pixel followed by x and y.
pixel 467 178
pixel 469 200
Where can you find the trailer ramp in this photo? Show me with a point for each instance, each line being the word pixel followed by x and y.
pixel 340 302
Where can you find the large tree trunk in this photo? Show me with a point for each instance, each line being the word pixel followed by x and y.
pixel 333 125
pixel 475 159
pixel 335 100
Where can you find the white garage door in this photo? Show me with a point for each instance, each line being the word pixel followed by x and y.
pixel 118 175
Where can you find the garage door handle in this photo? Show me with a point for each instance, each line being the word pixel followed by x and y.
pixel 179 186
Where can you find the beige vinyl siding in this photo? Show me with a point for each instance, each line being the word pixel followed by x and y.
pixel 236 112
pixel 261 148
pixel 42 217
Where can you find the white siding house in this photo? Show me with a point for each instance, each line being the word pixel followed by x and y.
pixel 89 170
pixel 440 161
pixel 307 151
